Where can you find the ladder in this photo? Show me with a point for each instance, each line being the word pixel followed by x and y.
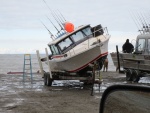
pixel 27 66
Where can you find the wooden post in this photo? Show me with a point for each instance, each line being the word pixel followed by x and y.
pixel 40 63
pixel 118 58
pixel 93 78
pixel 49 68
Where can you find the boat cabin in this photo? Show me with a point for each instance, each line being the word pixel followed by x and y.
pixel 70 40
pixel 143 44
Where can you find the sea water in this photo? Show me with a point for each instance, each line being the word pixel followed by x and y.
pixel 15 63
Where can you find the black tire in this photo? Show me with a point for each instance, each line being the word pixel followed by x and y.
pixel 49 81
pixel 135 76
pixel 45 79
pixel 129 75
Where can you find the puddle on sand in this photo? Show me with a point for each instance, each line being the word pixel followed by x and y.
pixel 144 80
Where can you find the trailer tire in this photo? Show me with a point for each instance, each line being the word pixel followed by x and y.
pixel 49 80
pixel 45 79
pixel 135 76
pixel 129 75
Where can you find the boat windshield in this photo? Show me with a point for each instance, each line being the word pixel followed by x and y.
pixel 54 50
pixel 141 45
pixel 77 36
pixel 82 34
pixel 87 31
pixel 65 43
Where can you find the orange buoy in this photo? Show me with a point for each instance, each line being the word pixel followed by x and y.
pixel 69 27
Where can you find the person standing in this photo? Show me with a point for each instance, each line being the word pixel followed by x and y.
pixel 105 67
pixel 127 47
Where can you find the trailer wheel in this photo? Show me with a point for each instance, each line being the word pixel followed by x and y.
pixel 129 75
pixel 49 81
pixel 135 76
pixel 45 79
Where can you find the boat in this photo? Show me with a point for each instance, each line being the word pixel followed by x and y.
pixel 137 63
pixel 74 51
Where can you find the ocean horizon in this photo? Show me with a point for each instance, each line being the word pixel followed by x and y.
pixel 15 62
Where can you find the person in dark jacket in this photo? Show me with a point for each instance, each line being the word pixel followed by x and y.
pixel 127 47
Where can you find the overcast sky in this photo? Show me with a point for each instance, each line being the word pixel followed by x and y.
pixel 22 32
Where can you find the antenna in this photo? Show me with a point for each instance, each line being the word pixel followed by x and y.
pixel 49 31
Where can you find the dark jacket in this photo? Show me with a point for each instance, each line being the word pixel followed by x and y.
pixel 127 47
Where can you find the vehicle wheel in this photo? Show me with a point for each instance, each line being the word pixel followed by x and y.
pixel 49 81
pixel 45 79
pixel 135 76
pixel 129 75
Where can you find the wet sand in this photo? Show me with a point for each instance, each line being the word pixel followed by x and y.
pixel 17 96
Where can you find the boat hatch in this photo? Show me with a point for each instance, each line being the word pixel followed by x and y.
pixel 143 45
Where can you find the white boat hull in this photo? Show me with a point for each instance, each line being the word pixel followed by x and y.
pixel 80 60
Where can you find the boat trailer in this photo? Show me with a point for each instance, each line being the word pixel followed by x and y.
pixel 88 79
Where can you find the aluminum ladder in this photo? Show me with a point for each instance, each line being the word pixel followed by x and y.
pixel 27 66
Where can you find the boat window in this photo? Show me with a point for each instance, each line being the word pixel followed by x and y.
pixel 65 44
pixel 87 31
pixel 141 45
pixel 77 36
pixel 149 45
pixel 54 50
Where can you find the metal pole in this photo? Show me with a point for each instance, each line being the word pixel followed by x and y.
pixel 40 63
pixel 49 68
pixel 118 58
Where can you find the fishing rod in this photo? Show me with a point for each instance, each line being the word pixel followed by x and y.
pixel 48 31
pixel 134 20
pixel 62 15
pixel 141 21
pixel 144 19
pixel 138 22
pixel 53 15
pixel 146 27
pixel 61 26
pixel 53 25
pixel 60 18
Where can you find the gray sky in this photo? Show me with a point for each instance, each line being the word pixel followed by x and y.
pixel 22 32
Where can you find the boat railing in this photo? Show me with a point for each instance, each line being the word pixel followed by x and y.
pixel 106 30
pixel 101 31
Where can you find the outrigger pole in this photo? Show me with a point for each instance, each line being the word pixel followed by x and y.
pixel 49 31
